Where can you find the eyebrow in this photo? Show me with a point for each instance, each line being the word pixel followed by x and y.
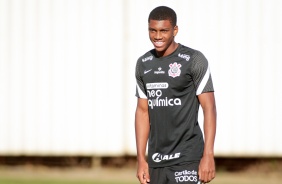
pixel 163 29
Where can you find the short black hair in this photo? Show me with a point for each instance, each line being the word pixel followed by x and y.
pixel 163 13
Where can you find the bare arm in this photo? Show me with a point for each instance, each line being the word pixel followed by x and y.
pixel 207 164
pixel 142 129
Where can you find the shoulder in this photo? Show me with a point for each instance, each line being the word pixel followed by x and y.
pixel 148 56
pixel 188 53
pixel 199 62
pixel 194 55
pixel 145 59
pixel 198 55
pixel 187 49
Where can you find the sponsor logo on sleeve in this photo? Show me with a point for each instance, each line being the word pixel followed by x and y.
pixel 149 58
pixel 184 56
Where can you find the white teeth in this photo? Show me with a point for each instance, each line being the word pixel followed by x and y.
pixel 159 43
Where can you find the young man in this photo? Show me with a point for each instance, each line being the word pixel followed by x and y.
pixel 172 81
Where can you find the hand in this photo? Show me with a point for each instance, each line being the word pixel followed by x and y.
pixel 207 169
pixel 143 173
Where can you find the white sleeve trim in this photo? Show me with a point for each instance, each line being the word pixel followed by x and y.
pixel 140 92
pixel 203 82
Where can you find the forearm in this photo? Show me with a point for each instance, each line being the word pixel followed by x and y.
pixel 142 129
pixel 209 129
pixel 207 165
pixel 207 101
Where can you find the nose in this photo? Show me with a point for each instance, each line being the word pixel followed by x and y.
pixel 158 35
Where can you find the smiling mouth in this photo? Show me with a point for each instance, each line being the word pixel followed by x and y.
pixel 158 43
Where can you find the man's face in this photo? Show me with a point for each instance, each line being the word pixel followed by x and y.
pixel 161 34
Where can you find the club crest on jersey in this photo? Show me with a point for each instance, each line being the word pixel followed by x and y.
pixel 174 70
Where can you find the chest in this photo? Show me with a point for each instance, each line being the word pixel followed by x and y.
pixel 174 74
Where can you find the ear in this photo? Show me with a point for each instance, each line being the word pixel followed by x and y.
pixel 175 30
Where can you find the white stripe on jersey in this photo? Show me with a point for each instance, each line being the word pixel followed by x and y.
pixel 140 92
pixel 203 82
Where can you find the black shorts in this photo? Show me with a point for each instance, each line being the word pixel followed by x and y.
pixel 186 173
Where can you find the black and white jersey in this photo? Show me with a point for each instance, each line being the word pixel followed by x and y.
pixel 171 85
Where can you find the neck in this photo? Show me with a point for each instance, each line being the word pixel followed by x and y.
pixel 173 46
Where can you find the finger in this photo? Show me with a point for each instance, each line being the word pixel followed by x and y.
pixel 140 177
pixel 211 176
pixel 147 177
pixel 204 177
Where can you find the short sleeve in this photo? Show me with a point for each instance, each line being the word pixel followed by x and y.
pixel 140 88
pixel 201 74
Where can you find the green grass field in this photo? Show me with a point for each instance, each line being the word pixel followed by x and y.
pixel 117 176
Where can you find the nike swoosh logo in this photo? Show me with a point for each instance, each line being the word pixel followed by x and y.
pixel 146 71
